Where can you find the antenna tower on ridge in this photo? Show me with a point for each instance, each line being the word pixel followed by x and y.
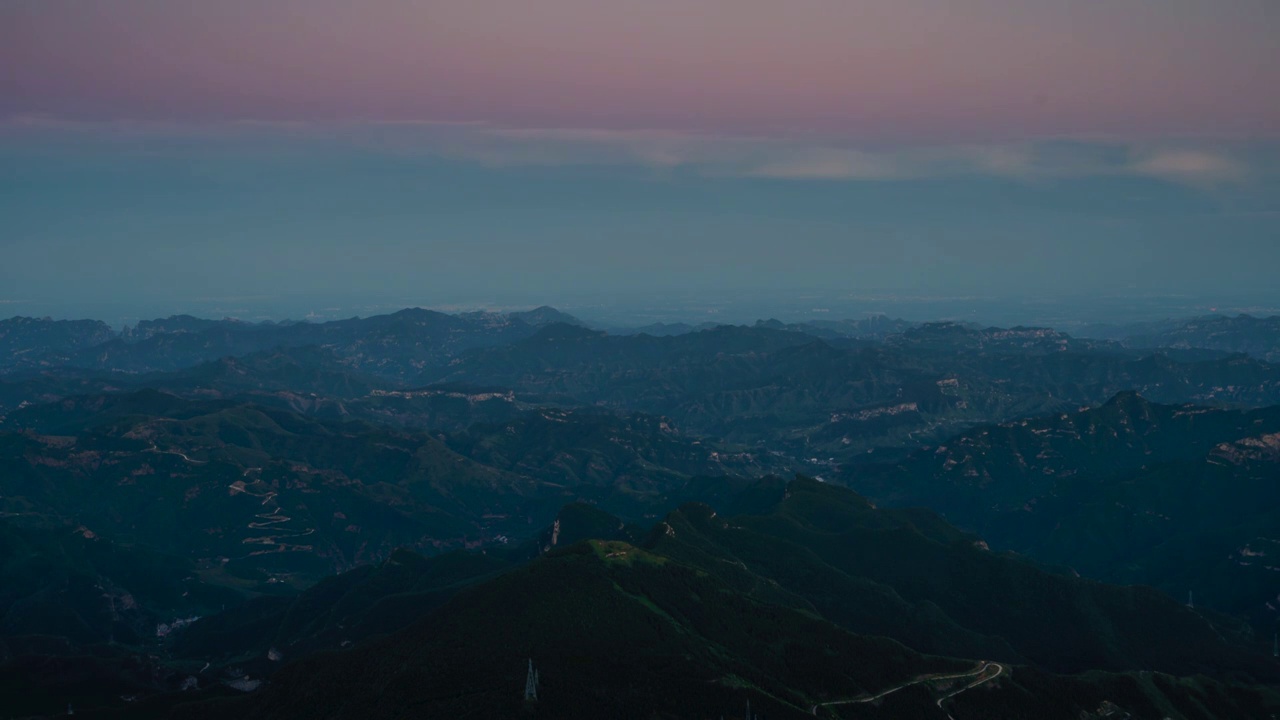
pixel 531 683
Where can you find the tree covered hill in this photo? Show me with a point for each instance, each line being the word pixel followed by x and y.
pixel 709 612
pixel 1181 497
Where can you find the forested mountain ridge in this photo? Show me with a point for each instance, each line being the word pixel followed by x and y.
pixel 231 507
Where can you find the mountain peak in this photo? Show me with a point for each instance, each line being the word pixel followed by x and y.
pixel 416 312
pixel 563 331
pixel 1127 399
pixel 545 315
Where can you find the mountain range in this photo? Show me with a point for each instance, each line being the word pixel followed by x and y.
pixel 368 517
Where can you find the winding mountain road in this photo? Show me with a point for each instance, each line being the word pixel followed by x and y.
pixel 999 669
pixel 155 449
pixel 983 667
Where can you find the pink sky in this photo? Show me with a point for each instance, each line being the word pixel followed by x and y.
pixel 918 70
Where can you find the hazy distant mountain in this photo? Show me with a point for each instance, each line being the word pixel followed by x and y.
pixel 544 315
pixel 181 324
pixel 874 327
pixel 26 341
pixel 796 393
pixel 963 337
pixel 1259 337
pixel 663 329
pixel 878 326
pixel 395 346
pixel 773 392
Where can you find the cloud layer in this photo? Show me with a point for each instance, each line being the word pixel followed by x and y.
pixel 1186 161
pixel 1190 161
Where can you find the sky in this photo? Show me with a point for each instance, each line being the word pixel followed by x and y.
pixel 162 151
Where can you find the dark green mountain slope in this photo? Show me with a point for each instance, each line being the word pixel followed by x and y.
pixel 82 619
pixel 370 600
pixel 354 606
pixel 909 575
pixel 261 495
pixel 1180 497
pixel 258 496
pixel 631 464
pixel 709 613
pixel 615 631
pixel 69 584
